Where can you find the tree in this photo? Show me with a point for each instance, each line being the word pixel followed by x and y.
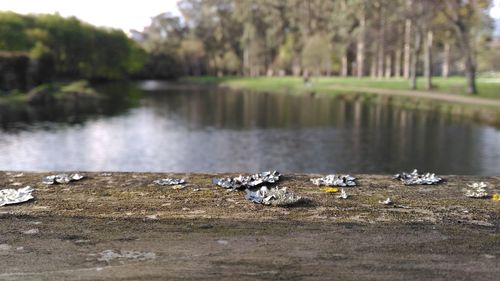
pixel 69 47
pixel 360 46
pixel 428 23
pixel 343 24
pixel 12 32
pixel 274 36
pixel 465 17
pixel 316 55
pixel 192 53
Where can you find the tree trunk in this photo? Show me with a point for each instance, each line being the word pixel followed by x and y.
pixel 381 50
pixel 428 60
pixel 468 53
pixel 246 61
pixel 446 60
pixel 397 63
pixel 360 52
pixel 470 69
pixel 463 33
pixel 414 60
pixel 296 67
pixel 373 62
pixel 388 66
pixel 380 63
pixel 345 66
pixel 407 49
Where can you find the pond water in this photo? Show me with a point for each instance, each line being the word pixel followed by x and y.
pixel 191 129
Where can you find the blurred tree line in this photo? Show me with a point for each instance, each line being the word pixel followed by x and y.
pixel 35 49
pixel 377 38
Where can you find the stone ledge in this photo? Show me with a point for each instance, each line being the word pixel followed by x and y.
pixel 124 227
pixel 134 195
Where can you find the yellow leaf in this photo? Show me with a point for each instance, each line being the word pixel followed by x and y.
pixel 496 197
pixel 330 189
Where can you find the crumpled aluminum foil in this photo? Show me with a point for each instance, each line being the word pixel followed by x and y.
pixel 343 194
pixel 258 195
pixel 15 196
pixel 170 181
pixel 62 178
pixel 477 190
pixel 387 202
pixel 109 255
pixel 335 180
pixel 275 196
pixel 243 182
pixel 415 178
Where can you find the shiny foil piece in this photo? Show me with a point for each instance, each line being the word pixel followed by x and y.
pixel 387 202
pixel 343 194
pixel 15 196
pixel 62 178
pixel 243 182
pixel 335 180
pixel 170 181
pixel 274 196
pixel 414 178
pixel 477 190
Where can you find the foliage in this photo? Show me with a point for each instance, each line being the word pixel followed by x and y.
pixel 382 38
pixel 161 66
pixel 316 54
pixel 76 48
pixel 231 62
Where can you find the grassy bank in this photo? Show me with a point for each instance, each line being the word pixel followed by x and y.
pixel 487 87
pixel 47 93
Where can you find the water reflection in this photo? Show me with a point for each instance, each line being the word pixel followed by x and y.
pixel 187 129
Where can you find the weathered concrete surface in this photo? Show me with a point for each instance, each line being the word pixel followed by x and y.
pixel 124 227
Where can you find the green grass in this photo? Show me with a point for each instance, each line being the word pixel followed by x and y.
pixel 81 86
pixel 487 87
pixel 13 98
pixel 58 90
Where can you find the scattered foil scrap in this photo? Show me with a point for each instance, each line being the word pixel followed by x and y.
pixel 414 178
pixel 170 181
pixel 477 190
pixel 343 194
pixel 275 196
pixel 15 196
pixel 387 202
pixel 243 182
pixel 335 180
pixel 110 255
pixel 62 178
pixel 258 195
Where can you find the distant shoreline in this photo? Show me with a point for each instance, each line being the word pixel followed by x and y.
pixel 484 108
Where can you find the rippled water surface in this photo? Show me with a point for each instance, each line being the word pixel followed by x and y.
pixel 192 129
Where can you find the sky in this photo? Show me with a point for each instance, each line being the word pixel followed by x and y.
pixel 131 14
pixel 124 14
pixel 495 10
